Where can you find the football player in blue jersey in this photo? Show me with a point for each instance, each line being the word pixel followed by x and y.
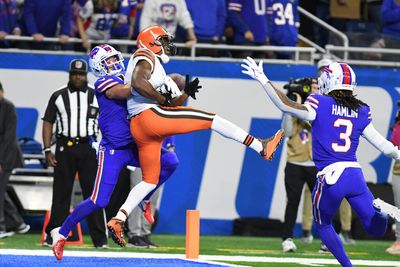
pixel 338 121
pixel 117 148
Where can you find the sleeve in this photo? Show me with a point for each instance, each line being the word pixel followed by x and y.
pixel 10 131
pixel 106 82
pixel 145 54
pixel 380 143
pixel 30 21
pixel 222 14
pixel 87 10
pixel 51 110
pixel 145 18
pixel 390 12
pixel 185 20
pixel 287 125
pixel 235 17
pixel 66 18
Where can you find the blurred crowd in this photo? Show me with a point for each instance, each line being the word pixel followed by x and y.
pixel 373 23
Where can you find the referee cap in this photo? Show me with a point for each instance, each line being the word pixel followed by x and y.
pixel 78 66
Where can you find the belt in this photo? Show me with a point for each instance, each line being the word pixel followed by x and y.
pixel 73 141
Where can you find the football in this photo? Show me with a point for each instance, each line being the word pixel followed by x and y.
pixel 178 79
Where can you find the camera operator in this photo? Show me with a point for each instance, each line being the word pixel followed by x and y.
pixel 299 168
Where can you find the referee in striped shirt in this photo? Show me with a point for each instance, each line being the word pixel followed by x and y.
pixel 74 110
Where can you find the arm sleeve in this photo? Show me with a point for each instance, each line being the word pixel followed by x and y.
pixel 185 20
pixel 380 143
pixel 234 10
pixel 308 115
pixel 287 124
pixel 29 17
pixel 145 18
pixel 103 84
pixel 51 110
pixel 390 13
pixel 66 18
pixel 222 14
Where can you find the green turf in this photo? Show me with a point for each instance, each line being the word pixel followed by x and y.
pixel 224 245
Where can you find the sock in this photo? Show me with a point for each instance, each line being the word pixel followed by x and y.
pixel 137 193
pixel 80 212
pixel 229 130
pixel 334 244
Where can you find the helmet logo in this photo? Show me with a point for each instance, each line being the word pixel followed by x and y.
pixel 93 52
pixel 78 64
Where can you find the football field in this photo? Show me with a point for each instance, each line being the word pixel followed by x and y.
pixel 25 250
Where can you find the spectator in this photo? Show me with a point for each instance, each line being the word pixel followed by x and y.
pixel 391 26
pixel 139 229
pixel 249 24
pixel 96 20
pixel 42 18
pixel 168 14
pixel 138 15
pixel 123 29
pixel 8 20
pixel 74 108
pixel 10 158
pixel 284 25
pixel 395 139
pixel 209 18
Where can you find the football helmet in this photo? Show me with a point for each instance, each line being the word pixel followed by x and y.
pixel 98 58
pixel 337 76
pixel 158 40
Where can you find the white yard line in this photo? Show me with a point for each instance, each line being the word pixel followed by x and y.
pixel 203 258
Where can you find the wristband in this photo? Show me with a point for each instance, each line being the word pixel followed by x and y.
pixel 47 149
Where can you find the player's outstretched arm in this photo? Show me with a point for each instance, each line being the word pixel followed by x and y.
pixel 280 99
pixel 119 91
pixel 140 81
pixel 380 142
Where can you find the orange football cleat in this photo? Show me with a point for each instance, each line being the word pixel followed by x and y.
pixel 271 144
pixel 116 228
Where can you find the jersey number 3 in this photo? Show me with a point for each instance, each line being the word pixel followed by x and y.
pixel 343 135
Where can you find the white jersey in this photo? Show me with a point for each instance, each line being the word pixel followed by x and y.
pixel 136 102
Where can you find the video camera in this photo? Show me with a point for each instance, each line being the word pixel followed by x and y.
pixel 301 86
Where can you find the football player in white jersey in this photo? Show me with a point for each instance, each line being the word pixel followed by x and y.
pixel 155 116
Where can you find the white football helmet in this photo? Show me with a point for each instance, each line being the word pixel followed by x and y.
pixel 98 61
pixel 337 76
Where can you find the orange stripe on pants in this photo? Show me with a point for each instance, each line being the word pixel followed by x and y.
pixel 149 128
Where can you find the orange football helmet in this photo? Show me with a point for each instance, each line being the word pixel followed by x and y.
pixel 157 39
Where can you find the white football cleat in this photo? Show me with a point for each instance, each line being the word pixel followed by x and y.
pixel 58 243
pixel 288 245
pixel 386 209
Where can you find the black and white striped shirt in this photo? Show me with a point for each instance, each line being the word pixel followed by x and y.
pixel 74 112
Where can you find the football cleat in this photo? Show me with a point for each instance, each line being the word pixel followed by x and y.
pixel 288 245
pixel 271 144
pixel 148 214
pixel 385 209
pixel 116 228
pixel 58 243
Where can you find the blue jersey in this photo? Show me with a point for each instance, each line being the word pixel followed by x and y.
pixel 283 22
pixel 113 117
pixel 249 15
pixel 336 130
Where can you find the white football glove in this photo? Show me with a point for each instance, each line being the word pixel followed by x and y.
pixel 253 70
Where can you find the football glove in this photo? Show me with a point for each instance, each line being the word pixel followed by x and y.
pixel 192 87
pixel 255 71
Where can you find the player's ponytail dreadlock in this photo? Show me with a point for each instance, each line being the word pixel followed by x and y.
pixel 347 99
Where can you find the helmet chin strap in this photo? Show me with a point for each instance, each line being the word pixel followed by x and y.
pixel 164 58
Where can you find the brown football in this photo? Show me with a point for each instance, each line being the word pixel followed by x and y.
pixel 178 79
